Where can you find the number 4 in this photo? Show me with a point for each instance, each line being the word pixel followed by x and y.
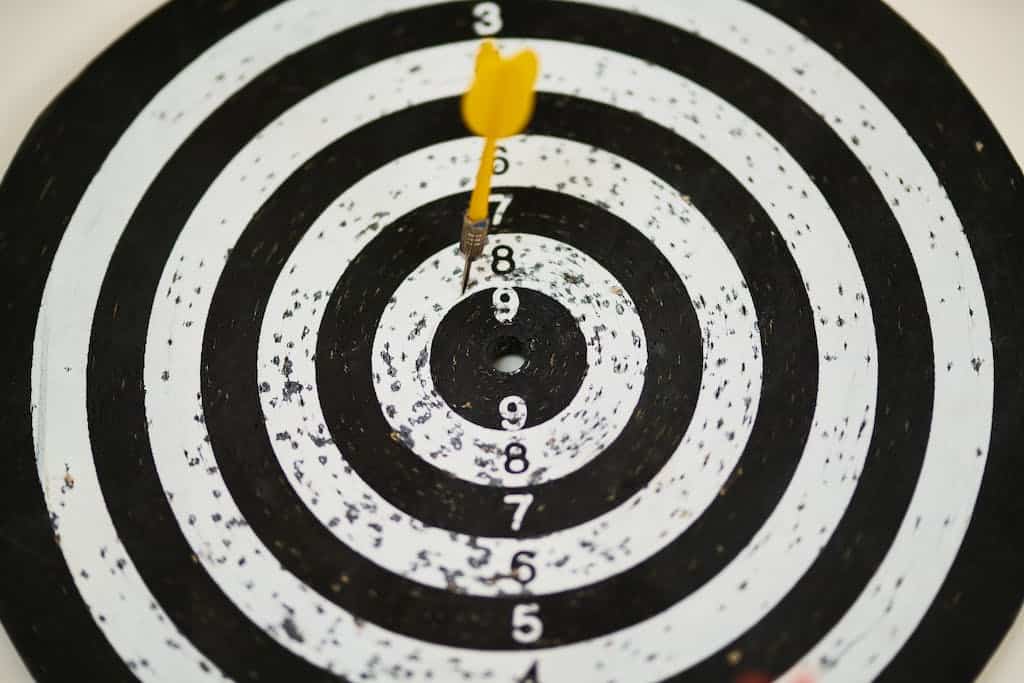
pixel 531 676
pixel 522 502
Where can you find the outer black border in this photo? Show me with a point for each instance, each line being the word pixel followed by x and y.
pixel 41 188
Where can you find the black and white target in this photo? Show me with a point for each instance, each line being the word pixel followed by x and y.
pixel 759 261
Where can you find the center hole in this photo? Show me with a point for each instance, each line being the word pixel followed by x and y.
pixel 508 355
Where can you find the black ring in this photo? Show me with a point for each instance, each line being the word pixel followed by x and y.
pixel 401 476
pixel 344 372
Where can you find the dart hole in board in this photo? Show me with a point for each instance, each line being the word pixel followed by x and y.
pixel 507 354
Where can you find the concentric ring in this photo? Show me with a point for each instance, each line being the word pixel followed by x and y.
pixel 601 400
pixel 529 210
pixel 663 145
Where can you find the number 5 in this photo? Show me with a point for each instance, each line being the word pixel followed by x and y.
pixel 526 624
pixel 488 16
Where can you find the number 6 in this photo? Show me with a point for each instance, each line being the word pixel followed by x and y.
pixel 519 562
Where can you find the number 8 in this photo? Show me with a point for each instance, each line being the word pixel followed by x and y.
pixel 502 262
pixel 516 453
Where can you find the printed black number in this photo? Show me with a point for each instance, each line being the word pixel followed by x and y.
pixel 501 161
pixel 531 676
pixel 502 262
pixel 521 566
pixel 516 453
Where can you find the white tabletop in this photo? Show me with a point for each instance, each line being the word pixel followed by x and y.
pixel 49 41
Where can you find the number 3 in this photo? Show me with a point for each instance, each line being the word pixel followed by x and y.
pixel 488 16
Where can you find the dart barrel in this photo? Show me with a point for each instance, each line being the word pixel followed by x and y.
pixel 474 236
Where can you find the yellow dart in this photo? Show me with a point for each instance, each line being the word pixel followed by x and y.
pixel 499 103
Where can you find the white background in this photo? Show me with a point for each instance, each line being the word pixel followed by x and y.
pixel 45 43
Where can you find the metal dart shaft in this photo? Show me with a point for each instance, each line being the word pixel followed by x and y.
pixel 465 273
pixel 474 237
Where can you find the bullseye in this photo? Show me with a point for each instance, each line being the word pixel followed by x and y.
pixel 507 353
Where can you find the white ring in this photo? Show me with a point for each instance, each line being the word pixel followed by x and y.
pixel 685 486
pixel 606 317
pixel 819 255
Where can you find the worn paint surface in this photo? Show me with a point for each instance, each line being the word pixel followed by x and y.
pixel 770 358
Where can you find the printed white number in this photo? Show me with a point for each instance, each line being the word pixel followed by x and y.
pixel 488 16
pixel 526 624
pixel 503 201
pixel 522 502
pixel 513 412
pixel 506 304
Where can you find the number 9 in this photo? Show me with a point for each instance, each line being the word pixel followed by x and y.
pixel 513 412
pixel 505 302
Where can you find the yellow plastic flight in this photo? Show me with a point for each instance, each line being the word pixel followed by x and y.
pixel 498 104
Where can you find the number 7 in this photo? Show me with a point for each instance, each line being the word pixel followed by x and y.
pixel 499 212
pixel 522 502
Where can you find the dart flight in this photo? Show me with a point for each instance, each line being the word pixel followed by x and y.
pixel 498 104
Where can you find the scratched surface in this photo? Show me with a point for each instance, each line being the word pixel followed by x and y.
pixel 775 426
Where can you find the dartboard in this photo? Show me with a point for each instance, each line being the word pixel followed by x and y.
pixel 734 391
